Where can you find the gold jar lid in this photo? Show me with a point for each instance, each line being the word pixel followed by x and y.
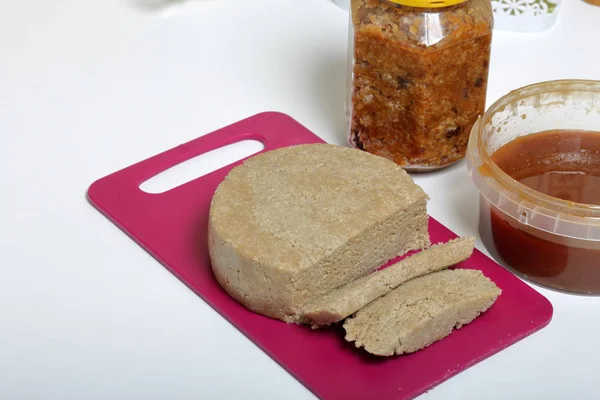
pixel 427 3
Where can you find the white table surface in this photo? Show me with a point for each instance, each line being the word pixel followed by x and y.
pixel 87 88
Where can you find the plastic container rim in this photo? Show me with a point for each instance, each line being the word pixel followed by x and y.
pixel 477 155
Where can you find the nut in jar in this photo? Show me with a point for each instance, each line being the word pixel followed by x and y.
pixel 417 78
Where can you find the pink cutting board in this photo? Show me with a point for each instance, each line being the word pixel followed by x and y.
pixel 172 226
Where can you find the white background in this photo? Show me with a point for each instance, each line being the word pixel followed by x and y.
pixel 87 88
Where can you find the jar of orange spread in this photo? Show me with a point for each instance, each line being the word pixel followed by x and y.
pixel 417 78
pixel 535 158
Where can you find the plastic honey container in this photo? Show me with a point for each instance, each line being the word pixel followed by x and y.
pixel 535 158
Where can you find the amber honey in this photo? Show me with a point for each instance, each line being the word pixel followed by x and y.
pixel 566 165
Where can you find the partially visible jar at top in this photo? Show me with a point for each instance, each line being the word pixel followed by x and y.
pixel 417 78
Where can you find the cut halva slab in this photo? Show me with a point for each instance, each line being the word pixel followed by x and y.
pixel 288 226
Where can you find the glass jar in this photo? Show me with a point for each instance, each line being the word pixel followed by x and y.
pixel 548 240
pixel 417 78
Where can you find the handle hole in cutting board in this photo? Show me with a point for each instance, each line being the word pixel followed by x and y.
pixel 200 165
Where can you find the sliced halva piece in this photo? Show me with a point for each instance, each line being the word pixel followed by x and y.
pixel 421 312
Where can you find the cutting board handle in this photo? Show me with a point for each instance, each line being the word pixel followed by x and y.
pixel 263 127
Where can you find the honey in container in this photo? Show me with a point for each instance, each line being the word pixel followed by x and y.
pixel 535 158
